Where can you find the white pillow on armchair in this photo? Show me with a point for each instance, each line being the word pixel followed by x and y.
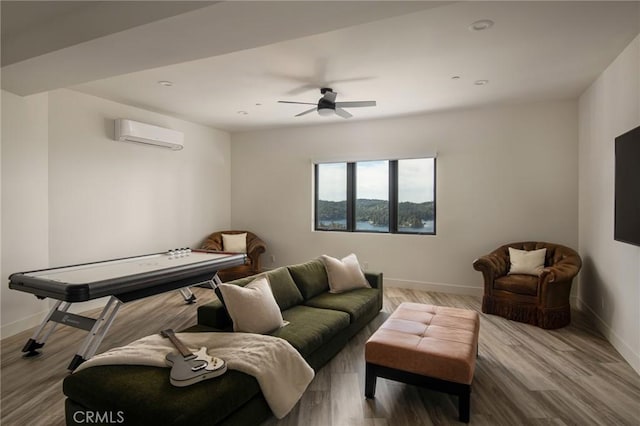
pixel 235 243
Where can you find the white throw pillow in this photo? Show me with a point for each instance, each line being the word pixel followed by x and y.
pixel 526 262
pixel 252 308
pixel 344 274
pixel 235 243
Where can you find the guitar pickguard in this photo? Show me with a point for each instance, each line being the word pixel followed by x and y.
pixel 213 364
pixel 188 367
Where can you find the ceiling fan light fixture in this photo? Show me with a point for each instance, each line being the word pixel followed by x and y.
pixel 325 112
pixel 481 25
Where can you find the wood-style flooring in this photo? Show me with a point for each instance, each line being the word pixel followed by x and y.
pixel 524 375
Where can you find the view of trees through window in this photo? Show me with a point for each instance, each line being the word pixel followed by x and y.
pixel 395 196
pixel 372 196
pixel 331 193
pixel 416 195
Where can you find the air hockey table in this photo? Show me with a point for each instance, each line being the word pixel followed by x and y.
pixel 121 280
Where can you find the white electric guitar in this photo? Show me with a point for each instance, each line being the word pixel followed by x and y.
pixel 191 367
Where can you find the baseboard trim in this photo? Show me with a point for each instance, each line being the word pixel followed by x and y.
pixel 22 324
pixel 34 320
pixel 616 341
pixel 439 287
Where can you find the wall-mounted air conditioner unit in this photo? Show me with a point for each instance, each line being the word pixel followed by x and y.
pixel 134 131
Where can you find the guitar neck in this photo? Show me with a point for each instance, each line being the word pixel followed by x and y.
pixel 176 342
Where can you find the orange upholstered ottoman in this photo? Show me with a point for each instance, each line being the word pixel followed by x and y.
pixel 426 345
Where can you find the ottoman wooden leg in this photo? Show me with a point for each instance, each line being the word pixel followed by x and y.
pixel 464 404
pixel 370 381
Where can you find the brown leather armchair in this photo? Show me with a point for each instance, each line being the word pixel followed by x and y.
pixel 255 247
pixel 541 300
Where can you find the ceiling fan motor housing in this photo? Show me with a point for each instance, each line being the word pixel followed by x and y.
pixel 326 104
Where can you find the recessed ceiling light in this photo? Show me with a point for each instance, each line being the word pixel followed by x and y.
pixel 165 83
pixel 481 82
pixel 481 25
pixel 243 112
pixel 455 77
pixel 258 104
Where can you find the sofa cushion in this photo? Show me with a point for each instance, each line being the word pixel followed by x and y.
pixel 356 303
pixel 309 328
pixel 252 308
pixel 284 289
pixel 145 396
pixel 344 274
pixel 310 277
pixel 519 284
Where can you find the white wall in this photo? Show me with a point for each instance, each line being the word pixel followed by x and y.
pixel 25 239
pixel 1 274
pixel 610 280
pixel 106 199
pixel 503 175
pixel 110 199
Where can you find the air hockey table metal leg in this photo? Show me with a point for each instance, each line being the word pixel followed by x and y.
pixel 213 282
pixel 97 333
pixel 30 348
pixel 188 295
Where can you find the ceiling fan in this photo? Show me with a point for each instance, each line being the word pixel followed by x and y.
pixel 327 104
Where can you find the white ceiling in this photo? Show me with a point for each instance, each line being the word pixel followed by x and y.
pixel 232 58
pixel 32 28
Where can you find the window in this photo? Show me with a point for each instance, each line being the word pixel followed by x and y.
pixel 331 196
pixel 416 206
pixel 372 196
pixel 390 196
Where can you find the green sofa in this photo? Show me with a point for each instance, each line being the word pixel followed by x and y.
pixel 320 325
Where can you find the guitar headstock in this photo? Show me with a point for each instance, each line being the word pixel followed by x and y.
pixel 167 333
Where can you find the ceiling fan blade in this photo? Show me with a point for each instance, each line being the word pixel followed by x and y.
pixel 306 112
pixel 293 102
pixel 356 104
pixel 342 113
pixel 302 89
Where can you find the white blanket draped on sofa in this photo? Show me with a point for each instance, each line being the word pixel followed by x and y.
pixel 281 371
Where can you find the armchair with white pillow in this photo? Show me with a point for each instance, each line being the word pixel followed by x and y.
pixel 529 282
pixel 237 242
